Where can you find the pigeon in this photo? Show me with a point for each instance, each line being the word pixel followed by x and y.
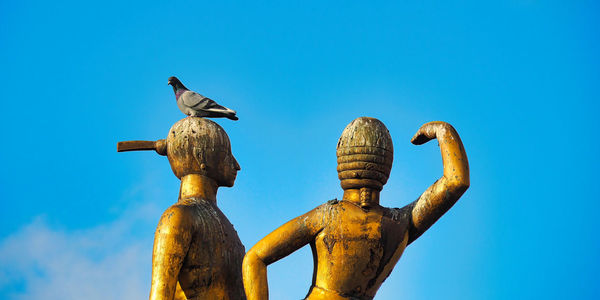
pixel 196 105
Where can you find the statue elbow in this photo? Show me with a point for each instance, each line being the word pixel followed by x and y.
pixel 250 260
pixel 459 184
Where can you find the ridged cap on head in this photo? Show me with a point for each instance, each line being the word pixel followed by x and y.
pixel 364 154
pixel 194 141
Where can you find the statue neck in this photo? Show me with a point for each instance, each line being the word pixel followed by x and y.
pixel 198 186
pixel 365 197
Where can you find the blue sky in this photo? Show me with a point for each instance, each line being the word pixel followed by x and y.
pixel 519 80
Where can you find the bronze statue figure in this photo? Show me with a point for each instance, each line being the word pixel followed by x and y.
pixel 197 252
pixel 356 242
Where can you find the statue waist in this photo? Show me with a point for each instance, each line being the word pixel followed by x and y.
pixel 319 293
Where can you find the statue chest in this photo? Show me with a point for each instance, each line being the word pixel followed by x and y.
pixel 215 256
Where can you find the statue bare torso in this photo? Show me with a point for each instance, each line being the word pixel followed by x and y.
pixel 356 242
pixel 197 252
pixel 371 243
pixel 213 262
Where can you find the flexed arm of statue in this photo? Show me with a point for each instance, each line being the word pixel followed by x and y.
pixel 442 195
pixel 171 243
pixel 286 239
pixel 355 241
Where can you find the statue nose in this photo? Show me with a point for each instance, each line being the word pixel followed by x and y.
pixel 237 165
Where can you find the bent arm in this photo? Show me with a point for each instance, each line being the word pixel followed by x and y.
pixel 286 239
pixel 442 195
pixel 171 243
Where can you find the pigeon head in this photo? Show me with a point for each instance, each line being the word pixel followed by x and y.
pixel 176 83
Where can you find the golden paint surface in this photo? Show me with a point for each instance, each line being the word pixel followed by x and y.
pixel 356 242
pixel 197 252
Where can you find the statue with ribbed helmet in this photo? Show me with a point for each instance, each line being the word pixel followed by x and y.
pixel 355 241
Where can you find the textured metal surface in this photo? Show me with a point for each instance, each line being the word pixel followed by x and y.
pixel 356 242
pixel 197 252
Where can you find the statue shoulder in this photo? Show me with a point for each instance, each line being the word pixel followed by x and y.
pixel 333 202
pixel 177 216
pixel 323 213
pixel 397 214
pixel 325 209
pixel 329 205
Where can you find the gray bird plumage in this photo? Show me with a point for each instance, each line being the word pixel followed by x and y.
pixel 196 105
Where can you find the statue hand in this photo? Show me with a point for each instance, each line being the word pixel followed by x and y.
pixel 429 131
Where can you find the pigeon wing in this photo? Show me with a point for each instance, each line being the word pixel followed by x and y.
pixel 211 105
pixel 195 100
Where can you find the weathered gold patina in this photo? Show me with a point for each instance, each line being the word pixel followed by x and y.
pixel 197 252
pixel 355 241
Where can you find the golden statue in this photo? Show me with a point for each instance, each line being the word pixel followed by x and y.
pixel 197 252
pixel 356 242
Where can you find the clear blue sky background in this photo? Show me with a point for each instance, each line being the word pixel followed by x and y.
pixel 518 79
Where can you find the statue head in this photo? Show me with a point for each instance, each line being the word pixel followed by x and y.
pixel 200 146
pixel 364 155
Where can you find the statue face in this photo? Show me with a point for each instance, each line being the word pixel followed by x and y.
pixel 226 170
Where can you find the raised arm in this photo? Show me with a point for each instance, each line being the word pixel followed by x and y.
pixel 286 239
pixel 171 243
pixel 440 196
